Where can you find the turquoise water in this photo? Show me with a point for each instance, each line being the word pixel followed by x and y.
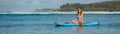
pixel 44 24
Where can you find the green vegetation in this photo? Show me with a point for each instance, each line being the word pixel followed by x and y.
pixel 102 6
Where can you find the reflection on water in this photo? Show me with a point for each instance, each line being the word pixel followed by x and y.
pixel 81 29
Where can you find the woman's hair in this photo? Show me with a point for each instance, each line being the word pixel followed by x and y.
pixel 78 11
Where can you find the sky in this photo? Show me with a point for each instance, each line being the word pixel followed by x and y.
pixel 18 5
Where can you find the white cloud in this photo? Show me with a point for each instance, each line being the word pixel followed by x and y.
pixel 13 1
pixel 36 2
pixel 21 3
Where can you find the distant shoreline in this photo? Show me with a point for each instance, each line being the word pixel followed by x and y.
pixel 58 12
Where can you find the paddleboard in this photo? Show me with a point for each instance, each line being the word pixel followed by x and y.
pixel 71 24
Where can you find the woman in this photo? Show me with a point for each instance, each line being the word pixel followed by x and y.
pixel 79 19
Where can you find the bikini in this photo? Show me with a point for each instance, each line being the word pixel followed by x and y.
pixel 79 18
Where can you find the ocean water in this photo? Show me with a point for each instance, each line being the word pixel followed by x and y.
pixel 44 24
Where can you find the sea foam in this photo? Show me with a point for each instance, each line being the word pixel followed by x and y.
pixel 58 12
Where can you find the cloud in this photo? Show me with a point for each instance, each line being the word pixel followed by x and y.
pixel 20 3
pixel 11 1
pixel 17 2
pixel 36 2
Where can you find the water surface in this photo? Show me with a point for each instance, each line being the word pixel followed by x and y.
pixel 44 24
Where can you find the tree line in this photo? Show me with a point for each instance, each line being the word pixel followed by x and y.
pixel 101 6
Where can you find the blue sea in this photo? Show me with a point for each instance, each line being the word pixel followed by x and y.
pixel 44 24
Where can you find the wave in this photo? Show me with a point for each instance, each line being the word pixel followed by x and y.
pixel 38 12
pixel 31 12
